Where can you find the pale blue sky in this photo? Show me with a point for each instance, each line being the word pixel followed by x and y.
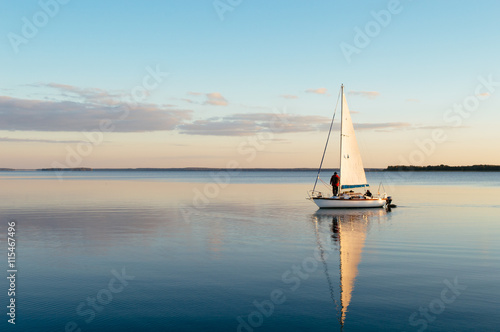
pixel 426 58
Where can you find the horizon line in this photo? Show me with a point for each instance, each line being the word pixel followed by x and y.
pixel 201 168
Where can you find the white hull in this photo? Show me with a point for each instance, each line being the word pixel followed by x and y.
pixel 340 203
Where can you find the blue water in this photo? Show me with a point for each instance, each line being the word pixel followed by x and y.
pixel 276 176
pixel 218 251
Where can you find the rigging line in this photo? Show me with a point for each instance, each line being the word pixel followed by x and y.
pixel 328 186
pixel 326 145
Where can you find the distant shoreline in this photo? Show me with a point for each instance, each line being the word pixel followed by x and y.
pixel 444 168
pixel 188 169
pixel 397 168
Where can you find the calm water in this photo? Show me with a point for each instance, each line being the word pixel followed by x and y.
pixel 216 251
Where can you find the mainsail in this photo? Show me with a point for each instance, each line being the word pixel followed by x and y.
pixel 352 173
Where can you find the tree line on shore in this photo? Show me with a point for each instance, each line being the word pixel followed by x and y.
pixel 474 168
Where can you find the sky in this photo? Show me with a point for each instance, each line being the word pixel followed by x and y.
pixel 251 84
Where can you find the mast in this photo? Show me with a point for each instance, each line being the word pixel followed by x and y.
pixel 341 122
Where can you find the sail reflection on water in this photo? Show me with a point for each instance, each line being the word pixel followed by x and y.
pixel 348 232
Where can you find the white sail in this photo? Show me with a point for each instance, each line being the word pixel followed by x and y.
pixel 352 235
pixel 352 173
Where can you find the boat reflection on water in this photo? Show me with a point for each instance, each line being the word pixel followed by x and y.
pixel 348 230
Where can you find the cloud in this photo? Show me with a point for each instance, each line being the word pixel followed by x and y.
pixel 219 128
pixel 381 126
pixel 278 140
pixel 320 91
pixel 34 140
pixel 215 98
pixel 89 95
pixel 86 109
pixel 438 127
pixel 253 123
pixel 366 94
pixel 385 125
pixel 484 94
pixel 86 115
pixel 289 96
pixel 246 124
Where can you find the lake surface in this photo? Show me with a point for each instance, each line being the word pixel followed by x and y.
pixel 245 251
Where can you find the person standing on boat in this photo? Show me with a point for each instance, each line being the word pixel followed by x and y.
pixel 334 181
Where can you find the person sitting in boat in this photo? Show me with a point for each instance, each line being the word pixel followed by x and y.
pixel 368 194
pixel 334 181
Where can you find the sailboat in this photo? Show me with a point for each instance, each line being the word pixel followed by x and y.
pixel 352 173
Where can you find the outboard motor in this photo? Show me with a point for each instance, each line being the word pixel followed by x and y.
pixel 388 203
